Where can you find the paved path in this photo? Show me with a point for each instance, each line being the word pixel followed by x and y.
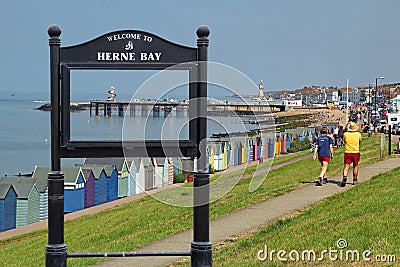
pixel 252 217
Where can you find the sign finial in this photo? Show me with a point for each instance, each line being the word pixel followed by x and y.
pixel 203 31
pixel 54 31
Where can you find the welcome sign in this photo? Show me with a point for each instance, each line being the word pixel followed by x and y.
pixel 127 50
pixel 128 46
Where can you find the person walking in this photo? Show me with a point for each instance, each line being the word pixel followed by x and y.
pixel 352 139
pixel 324 149
pixel 336 134
pixel 340 134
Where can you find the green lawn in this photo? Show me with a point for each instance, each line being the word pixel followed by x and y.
pixel 129 226
pixel 367 217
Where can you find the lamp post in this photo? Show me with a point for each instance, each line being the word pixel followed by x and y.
pixel 347 101
pixel 376 90
pixel 369 102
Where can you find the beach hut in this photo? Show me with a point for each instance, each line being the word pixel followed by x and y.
pixel 149 172
pixel 131 190
pixel 288 141
pixel 28 199
pixel 266 146
pixel 211 157
pixel 161 171
pixel 170 170
pixel 235 155
pixel 178 165
pixel 112 182
pixel 208 158
pixel 232 154
pixel 224 155
pixel 140 175
pixel 131 177
pixel 259 148
pixel 228 154
pixel 123 172
pixel 90 187
pixel 256 154
pixel 277 145
pixel 240 153
pixel 8 207
pixel 74 189
pixel 100 183
pixel 218 157
pixel 283 143
pixel 40 178
pixel 248 150
pixel 271 148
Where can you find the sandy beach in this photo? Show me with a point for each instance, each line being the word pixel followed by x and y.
pixel 318 116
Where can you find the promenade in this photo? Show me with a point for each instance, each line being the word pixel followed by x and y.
pixel 252 217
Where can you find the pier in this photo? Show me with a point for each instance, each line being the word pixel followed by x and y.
pixel 250 107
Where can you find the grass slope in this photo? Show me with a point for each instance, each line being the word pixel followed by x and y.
pixel 366 216
pixel 138 223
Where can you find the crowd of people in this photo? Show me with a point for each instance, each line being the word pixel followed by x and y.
pixel 349 137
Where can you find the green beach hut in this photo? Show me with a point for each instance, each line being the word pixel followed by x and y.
pixel 28 199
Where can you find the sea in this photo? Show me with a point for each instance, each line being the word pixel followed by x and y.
pixel 25 131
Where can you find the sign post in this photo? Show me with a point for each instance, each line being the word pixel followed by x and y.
pixel 201 246
pixel 127 50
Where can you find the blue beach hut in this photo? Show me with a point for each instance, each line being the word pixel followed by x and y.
pixel 235 155
pixel 131 177
pixel 40 178
pixel 8 207
pixel 271 148
pixel 288 141
pixel 74 189
pixel 249 150
pixel 112 182
pixel 262 148
pixel 228 155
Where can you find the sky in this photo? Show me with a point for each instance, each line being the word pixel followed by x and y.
pixel 288 44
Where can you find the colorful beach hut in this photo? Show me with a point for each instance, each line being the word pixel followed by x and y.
pixel 122 168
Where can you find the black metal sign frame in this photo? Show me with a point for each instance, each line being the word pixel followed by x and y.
pixel 127 50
